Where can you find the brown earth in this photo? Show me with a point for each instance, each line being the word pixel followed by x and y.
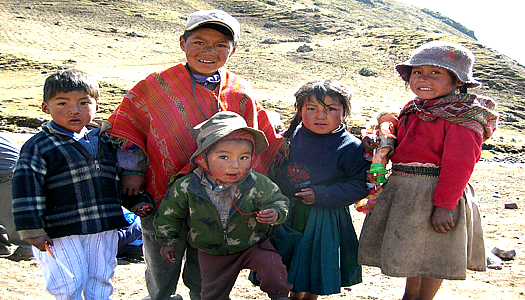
pixel 120 42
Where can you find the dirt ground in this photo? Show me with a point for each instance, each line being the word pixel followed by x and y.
pixel 495 184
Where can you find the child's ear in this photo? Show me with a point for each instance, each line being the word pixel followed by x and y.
pixel 233 50
pixel 182 43
pixel 459 83
pixel 45 108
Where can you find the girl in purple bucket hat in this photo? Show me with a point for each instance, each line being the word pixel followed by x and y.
pixel 425 225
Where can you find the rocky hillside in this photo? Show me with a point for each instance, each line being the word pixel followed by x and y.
pixel 283 44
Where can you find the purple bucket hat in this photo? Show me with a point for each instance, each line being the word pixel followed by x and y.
pixel 453 57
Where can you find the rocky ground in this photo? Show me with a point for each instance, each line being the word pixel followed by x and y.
pixel 496 184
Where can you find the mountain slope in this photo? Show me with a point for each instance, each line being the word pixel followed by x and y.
pixel 122 41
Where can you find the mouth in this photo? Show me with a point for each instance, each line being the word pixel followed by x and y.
pixel 206 61
pixel 424 89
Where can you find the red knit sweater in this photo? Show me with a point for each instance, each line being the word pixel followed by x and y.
pixel 453 147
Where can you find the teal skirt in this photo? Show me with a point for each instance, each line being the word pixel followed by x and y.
pixel 323 258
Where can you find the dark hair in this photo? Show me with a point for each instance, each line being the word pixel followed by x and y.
pixel 220 28
pixel 320 89
pixel 70 80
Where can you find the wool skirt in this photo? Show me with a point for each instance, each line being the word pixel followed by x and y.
pixel 398 237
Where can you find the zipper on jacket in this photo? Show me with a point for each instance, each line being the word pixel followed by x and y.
pixel 225 235
pixel 97 166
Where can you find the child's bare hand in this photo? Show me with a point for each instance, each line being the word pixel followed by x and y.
pixel 132 184
pixel 442 220
pixel 143 209
pixel 267 216
pixel 40 242
pixel 369 143
pixel 168 253
pixel 308 196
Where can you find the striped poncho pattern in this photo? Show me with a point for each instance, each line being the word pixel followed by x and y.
pixel 159 112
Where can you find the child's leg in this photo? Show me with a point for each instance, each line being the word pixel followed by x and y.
pixel 71 253
pixel 418 288
pixel 219 273
pixel 266 261
pixel 101 255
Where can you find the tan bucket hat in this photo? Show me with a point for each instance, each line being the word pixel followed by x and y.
pixel 220 125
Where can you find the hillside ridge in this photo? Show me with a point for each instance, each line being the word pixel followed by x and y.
pixel 283 44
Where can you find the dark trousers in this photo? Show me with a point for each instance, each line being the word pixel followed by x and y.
pixel 219 272
pixel 162 277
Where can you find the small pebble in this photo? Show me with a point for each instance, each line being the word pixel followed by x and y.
pixel 505 254
pixel 511 205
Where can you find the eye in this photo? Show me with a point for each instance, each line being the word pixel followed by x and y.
pixel 223 157
pixel 310 108
pixel 245 157
pixel 416 72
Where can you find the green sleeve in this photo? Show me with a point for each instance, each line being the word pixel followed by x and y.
pixel 172 213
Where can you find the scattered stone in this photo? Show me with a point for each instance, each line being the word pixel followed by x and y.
pixel 511 205
pixel 367 72
pixel 305 48
pixel 505 254
pixel 494 262
pixel 270 41
pixel 269 25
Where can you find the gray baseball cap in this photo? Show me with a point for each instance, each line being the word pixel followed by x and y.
pixel 214 16
pixel 453 57
pixel 220 125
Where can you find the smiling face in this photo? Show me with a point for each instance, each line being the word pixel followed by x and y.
pixel 71 111
pixel 319 118
pixel 431 82
pixel 229 160
pixel 207 50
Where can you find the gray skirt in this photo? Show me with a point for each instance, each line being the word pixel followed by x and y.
pixel 398 237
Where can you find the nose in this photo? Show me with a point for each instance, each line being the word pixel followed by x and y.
pixel 209 49
pixel 235 163
pixel 74 109
pixel 321 113
pixel 422 77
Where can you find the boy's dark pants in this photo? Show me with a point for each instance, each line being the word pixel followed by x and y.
pixel 161 276
pixel 219 272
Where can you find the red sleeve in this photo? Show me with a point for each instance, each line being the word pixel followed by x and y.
pixel 461 151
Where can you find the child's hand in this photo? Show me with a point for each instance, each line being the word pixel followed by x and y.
pixel 168 253
pixel 143 209
pixel 442 220
pixel 368 143
pixel 308 196
pixel 132 184
pixel 40 242
pixel 267 216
